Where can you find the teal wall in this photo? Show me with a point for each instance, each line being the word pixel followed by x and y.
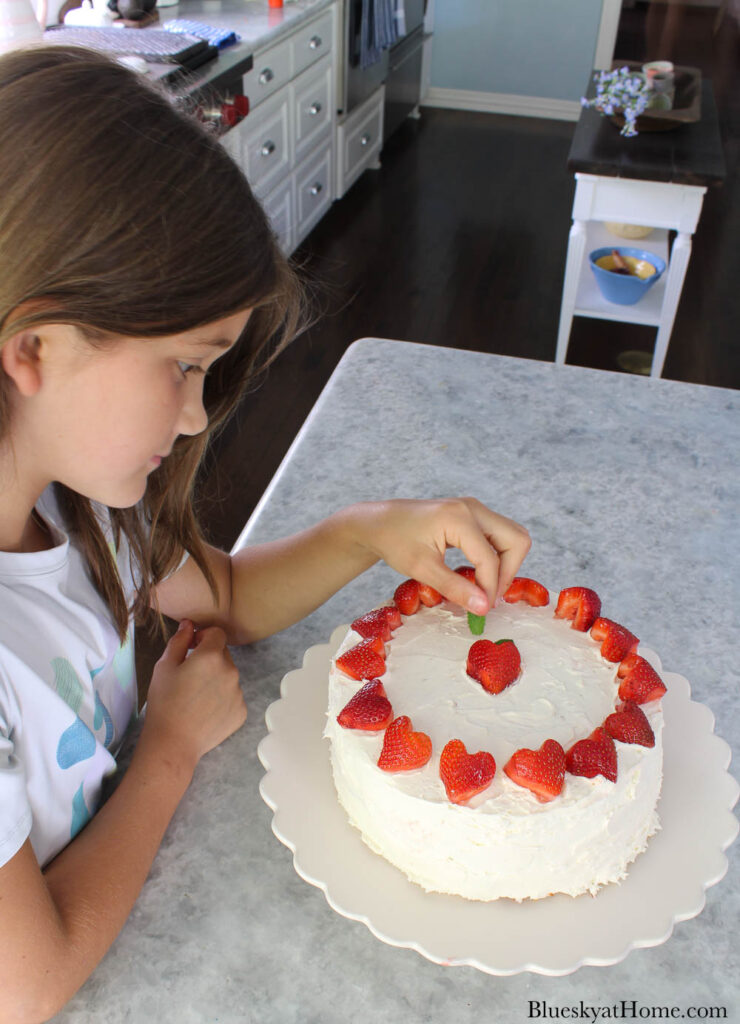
pixel 525 47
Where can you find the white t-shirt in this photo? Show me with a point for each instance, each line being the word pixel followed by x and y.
pixel 67 689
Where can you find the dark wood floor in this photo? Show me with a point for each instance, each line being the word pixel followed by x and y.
pixel 459 240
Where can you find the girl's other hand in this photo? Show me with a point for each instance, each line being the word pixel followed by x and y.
pixel 412 537
pixel 194 701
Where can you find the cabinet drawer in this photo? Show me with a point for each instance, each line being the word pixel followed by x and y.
pixel 270 72
pixel 312 107
pixel 267 144
pixel 313 191
pixel 359 139
pixel 279 207
pixel 311 43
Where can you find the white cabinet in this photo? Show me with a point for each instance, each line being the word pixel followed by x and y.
pixel 311 100
pixel 285 146
pixel 359 140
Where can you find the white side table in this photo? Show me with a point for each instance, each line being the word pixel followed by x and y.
pixel 659 178
pixel 665 206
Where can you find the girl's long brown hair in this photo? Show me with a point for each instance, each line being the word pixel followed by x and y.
pixel 121 215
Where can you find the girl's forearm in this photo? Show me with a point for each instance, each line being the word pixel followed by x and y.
pixel 95 881
pixel 274 585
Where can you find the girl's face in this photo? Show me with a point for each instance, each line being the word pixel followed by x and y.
pixel 111 415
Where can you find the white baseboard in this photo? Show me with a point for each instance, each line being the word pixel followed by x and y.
pixel 503 103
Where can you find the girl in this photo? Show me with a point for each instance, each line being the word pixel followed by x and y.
pixel 140 289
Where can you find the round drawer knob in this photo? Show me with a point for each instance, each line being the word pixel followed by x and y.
pixel 314 109
pixel 366 139
pixel 314 42
pixel 315 189
pixel 266 76
pixel 268 148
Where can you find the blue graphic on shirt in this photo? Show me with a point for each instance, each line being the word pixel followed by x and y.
pixel 103 715
pixel 76 744
pixel 80 813
pixel 67 683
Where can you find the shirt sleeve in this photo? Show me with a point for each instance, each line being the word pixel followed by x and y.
pixel 15 810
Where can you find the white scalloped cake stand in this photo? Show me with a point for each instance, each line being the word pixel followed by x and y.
pixel 553 936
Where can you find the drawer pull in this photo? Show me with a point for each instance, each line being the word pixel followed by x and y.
pixel 314 109
pixel 266 76
pixel 316 189
pixel 314 42
pixel 366 139
pixel 268 148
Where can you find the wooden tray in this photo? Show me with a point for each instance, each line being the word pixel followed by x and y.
pixel 686 104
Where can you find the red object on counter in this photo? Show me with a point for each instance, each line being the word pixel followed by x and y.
pixel 275 3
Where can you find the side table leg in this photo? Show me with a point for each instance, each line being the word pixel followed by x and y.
pixel 680 254
pixel 573 263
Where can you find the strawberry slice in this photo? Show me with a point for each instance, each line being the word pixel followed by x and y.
pixel 403 749
pixel 392 615
pixel 374 623
pixel 369 709
pixel 541 771
pixel 629 724
pixel 465 774
pixel 363 661
pixel 595 756
pixel 616 641
pixel 429 596
pixel 406 597
pixel 467 571
pixel 640 683
pixel 494 665
pixel 524 589
pixel 580 604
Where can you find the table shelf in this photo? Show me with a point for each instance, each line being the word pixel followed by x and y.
pixel 589 300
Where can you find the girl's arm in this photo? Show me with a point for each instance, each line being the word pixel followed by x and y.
pixel 57 925
pixel 268 587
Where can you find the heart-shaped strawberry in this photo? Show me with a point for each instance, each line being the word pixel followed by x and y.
pixel 403 749
pixel 524 589
pixel 364 660
pixel 494 665
pixel 406 597
pixel 374 623
pixel 629 724
pixel 369 709
pixel 616 641
pixel 595 756
pixel 541 771
pixel 465 774
pixel 639 680
pixel 579 604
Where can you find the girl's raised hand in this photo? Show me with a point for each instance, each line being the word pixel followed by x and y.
pixel 194 701
pixel 412 537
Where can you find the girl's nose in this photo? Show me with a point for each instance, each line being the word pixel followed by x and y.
pixel 193 417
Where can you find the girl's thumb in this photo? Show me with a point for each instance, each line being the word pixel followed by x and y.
pixel 179 642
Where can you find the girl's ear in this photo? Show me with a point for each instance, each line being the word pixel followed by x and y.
pixel 20 361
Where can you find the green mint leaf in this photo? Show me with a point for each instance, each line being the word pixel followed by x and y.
pixel 477 623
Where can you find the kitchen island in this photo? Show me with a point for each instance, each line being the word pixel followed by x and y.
pixel 627 485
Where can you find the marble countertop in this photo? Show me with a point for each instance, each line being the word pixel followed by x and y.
pixel 256 23
pixel 627 483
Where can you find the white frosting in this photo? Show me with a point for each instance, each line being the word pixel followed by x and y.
pixel 504 842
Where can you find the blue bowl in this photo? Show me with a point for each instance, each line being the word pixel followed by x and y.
pixel 625 289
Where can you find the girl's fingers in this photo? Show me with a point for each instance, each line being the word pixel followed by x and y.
pixel 494 545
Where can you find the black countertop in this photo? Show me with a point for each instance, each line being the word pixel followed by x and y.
pixel 689 155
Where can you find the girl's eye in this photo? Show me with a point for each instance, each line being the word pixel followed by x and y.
pixel 187 368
